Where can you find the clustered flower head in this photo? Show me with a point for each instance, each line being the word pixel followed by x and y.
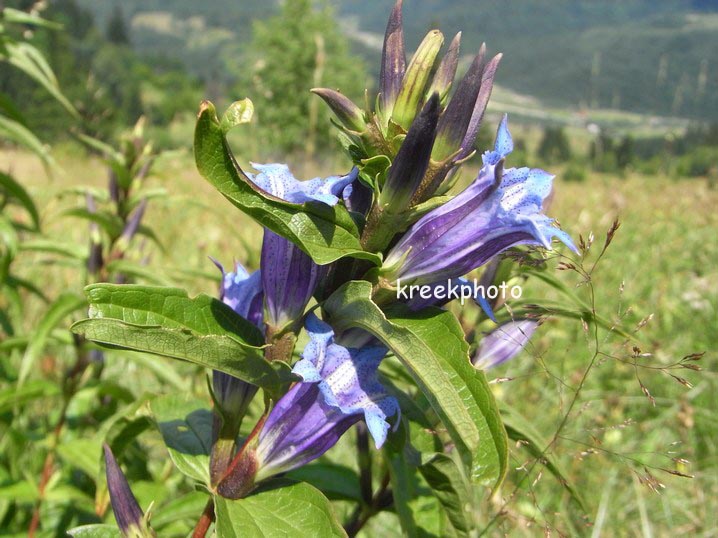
pixel 406 154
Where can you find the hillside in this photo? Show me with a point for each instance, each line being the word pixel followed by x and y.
pixel 645 56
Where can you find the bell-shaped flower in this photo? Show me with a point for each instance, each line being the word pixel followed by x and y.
pixel 289 275
pixel 339 387
pixel 277 180
pixel 289 278
pixel 128 514
pixel 504 343
pixel 499 210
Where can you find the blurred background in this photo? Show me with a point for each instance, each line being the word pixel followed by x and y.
pixel 618 98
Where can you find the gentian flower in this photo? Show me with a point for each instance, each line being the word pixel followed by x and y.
pixel 128 514
pixel 289 275
pixel 339 387
pixel 499 210
pixel 241 291
pixel 504 343
pixel 277 180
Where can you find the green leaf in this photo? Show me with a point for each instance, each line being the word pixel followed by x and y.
pixel 64 305
pixel 238 113
pixel 95 531
pixel 431 345
pixel 186 507
pixel 451 489
pixel 418 511
pixel 14 396
pixel 111 224
pixel 186 427
pixel 30 60
pixel 281 508
pixel 14 190
pixel 325 233
pixel 165 321
pixel 8 246
pixel 52 246
pixel 19 134
pixel 21 17
pixel 337 482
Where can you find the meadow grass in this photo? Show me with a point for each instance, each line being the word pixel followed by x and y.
pixel 662 266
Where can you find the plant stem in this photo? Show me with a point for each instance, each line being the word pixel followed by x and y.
pixel 362 514
pixel 205 520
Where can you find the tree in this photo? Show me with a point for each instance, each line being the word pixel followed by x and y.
pixel 116 29
pixel 554 146
pixel 292 52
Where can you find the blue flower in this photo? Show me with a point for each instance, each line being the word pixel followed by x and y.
pixel 289 276
pixel 499 210
pixel 277 180
pixel 339 388
pixel 504 343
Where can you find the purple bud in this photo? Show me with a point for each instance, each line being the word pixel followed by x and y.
pixel 348 113
pixel 393 61
pixel 446 71
pixel 412 160
pixel 455 120
pixel 113 187
pixel 487 84
pixel 241 291
pixel 133 223
pixel 128 513
pixel 504 343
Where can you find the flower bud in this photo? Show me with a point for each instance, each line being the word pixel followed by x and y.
pixel 416 78
pixel 412 160
pixel 127 512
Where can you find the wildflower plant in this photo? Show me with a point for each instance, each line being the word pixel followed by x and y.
pixel 316 343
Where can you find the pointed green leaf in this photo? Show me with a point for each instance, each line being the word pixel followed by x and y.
pixel 451 489
pixel 431 345
pixel 325 233
pixel 165 321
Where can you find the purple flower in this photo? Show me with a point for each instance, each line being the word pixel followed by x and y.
pixel 503 343
pixel 277 180
pixel 289 276
pixel 127 512
pixel 499 210
pixel 243 292
pixel 339 387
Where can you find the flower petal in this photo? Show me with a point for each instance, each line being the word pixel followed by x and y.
pixel 504 343
pixel 277 180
